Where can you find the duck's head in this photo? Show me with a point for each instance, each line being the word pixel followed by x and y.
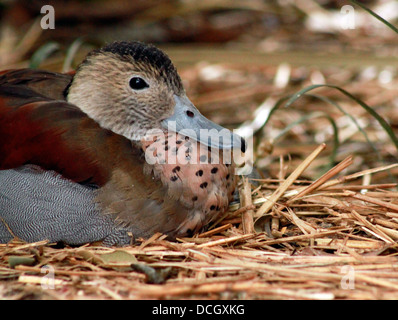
pixel 132 88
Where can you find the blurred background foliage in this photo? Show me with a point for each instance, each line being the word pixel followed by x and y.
pixel 238 59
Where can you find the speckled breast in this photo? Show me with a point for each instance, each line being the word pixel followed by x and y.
pixel 201 178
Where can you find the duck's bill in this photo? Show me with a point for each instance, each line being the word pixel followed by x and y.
pixel 188 121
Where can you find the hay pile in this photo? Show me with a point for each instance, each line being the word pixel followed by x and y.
pixel 322 240
pixel 300 232
pixel 321 223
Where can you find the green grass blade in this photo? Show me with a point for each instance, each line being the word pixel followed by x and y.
pixel 368 109
pixel 388 24
pixel 71 53
pixel 311 116
pixel 258 133
pixel 333 103
pixel 42 54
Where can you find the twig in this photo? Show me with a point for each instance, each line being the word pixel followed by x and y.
pixel 358 196
pixel 226 240
pixel 332 172
pixel 246 200
pixel 289 181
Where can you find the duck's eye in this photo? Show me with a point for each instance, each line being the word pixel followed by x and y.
pixel 138 83
pixel 190 114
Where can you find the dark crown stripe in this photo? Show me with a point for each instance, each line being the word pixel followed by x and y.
pixel 147 54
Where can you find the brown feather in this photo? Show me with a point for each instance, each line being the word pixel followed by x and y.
pixel 37 126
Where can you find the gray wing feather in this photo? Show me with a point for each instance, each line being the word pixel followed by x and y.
pixel 37 205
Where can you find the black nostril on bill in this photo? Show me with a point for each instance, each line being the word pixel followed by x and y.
pixel 190 114
pixel 243 145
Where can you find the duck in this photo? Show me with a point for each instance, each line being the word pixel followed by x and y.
pixel 110 153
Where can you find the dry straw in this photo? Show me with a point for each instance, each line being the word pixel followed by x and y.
pixel 324 241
